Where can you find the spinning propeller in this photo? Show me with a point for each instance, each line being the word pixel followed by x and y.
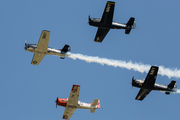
pixel 25 42
pixel 56 102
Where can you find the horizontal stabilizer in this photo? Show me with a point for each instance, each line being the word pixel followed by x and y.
pixel 95 104
pixel 127 31
pixel 92 110
pixel 172 84
pixel 65 49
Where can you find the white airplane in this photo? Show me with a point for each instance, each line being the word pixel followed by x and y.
pixel 72 103
pixel 41 49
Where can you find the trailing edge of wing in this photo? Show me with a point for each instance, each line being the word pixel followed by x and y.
pixel 100 35
pixel 142 94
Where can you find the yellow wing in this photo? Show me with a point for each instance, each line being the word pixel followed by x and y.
pixel 43 41
pixel 74 95
pixel 37 58
pixel 68 112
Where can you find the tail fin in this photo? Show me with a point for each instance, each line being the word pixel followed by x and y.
pixel 172 84
pixel 95 104
pixel 66 48
pixel 131 24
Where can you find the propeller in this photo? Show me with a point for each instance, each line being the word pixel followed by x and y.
pixel 56 102
pixel 25 42
pixel 89 19
pixel 132 81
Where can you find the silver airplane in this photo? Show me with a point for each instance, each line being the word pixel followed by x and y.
pixel 41 49
pixel 149 84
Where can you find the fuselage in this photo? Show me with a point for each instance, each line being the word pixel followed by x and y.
pixel 115 25
pixel 50 51
pixel 159 87
pixel 81 105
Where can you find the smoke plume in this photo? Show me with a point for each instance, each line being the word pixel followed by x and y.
pixel 140 67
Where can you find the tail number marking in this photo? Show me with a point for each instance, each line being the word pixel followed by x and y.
pixel 152 71
pixel 108 7
pixel 44 35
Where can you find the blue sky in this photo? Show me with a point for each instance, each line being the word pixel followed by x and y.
pixel 28 91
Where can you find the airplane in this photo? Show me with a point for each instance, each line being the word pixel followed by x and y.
pixel 149 84
pixel 72 103
pixel 106 23
pixel 41 49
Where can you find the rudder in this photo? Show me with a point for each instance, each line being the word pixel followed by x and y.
pixel 66 48
pixel 131 24
pixel 172 84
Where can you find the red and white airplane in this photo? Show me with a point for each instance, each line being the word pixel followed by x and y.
pixel 72 103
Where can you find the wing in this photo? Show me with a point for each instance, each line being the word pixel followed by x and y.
pixel 74 95
pixel 107 16
pixel 43 41
pixel 68 112
pixel 151 77
pixel 37 58
pixel 142 94
pixel 101 33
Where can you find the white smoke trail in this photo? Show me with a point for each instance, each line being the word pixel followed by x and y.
pixel 140 67
pixel 178 91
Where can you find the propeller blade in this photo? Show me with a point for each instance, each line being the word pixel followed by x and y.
pixel 56 102
pixel 89 19
pixel 132 78
pixel 132 81
pixel 25 42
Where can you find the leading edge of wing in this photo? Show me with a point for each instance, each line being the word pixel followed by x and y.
pixel 100 35
pixel 142 94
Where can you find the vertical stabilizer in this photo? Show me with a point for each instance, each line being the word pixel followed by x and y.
pixel 172 84
pixel 66 48
pixel 131 24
